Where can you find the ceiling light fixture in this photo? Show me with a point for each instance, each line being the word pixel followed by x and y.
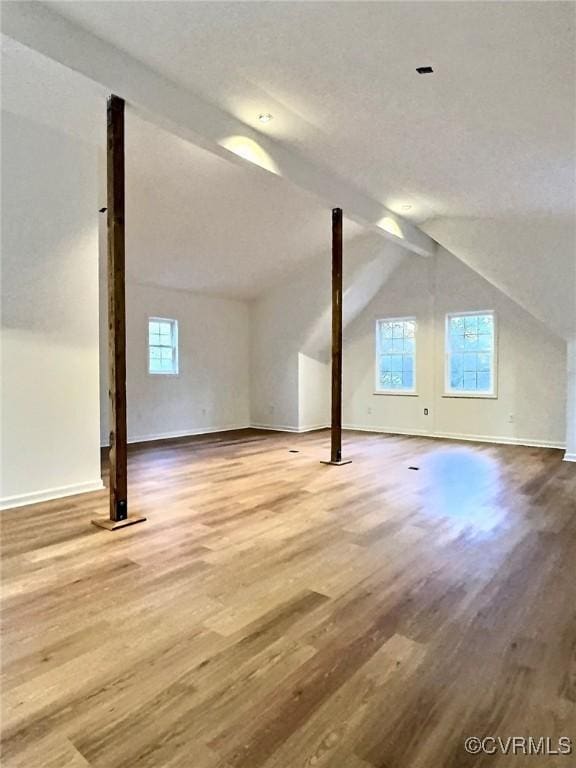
pixel 407 207
pixel 424 70
pixel 265 117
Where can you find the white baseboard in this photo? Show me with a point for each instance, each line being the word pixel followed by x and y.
pixel 10 502
pixel 283 428
pixel 383 430
pixel 569 456
pixel 501 440
pixel 182 433
pixel 497 439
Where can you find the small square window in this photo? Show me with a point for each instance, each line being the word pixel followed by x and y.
pixel 162 346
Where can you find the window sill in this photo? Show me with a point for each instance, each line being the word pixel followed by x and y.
pixel 471 395
pixel 163 373
pixel 397 392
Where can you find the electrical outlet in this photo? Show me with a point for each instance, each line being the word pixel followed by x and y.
pixel 369 411
pixel 511 419
pixel 425 411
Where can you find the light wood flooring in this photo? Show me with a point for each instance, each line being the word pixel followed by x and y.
pixel 274 612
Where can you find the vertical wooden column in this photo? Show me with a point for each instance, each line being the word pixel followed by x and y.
pixel 336 429
pixel 117 321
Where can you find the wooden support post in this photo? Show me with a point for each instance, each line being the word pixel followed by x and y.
pixel 118 458
pixel 336 431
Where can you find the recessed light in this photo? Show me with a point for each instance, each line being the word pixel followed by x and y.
pixel 424 70
pixel 407 207
pixel 265 117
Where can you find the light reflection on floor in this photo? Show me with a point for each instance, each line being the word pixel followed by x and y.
pixel 463 486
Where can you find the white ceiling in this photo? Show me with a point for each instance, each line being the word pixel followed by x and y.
pixel 489 137
pixel 36 87
pixel 194 220
pixel 490 133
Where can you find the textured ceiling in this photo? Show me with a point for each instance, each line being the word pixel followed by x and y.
pixel 194 220
pixel 490 133
pixel 489 137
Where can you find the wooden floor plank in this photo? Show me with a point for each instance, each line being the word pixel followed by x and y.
pixel 274 612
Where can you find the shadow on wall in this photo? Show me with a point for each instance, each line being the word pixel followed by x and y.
pixel 292 332
pixel 368 263
pixel 49 238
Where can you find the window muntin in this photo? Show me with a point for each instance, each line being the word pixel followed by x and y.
pixel 396 355
pixel 470 354
pixel 162 345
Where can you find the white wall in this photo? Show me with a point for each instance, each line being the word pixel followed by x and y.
pixel 211 391
pixel 408 292
pixel 313 383
pixel 531 259
pixel 531 402
pixel 271 359
pixel 49 393
pixel 290 347
pixel 290 333
pixel 274 344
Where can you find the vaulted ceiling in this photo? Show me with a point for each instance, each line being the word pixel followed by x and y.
pixel 194 220
pixel 490 132
pixel 487 139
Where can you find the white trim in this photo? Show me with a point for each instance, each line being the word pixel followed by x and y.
pixel 470 395
pixel 391 431
pixel 496 439
pixel 529 442
pixel 182 433
pixel 569 456
pixel 283 428
pixel 397 392
pixel 23 499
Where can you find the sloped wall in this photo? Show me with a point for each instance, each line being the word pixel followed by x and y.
pixel 290 333
pixel 290 336
pixel 531 403
pixel 530 259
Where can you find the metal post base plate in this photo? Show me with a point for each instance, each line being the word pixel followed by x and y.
pixel 113 525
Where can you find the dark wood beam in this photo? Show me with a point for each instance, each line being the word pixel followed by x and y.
pixel 336 426
pixel 118 458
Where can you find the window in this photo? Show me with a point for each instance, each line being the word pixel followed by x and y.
pixel 395 355
pixel 470 354
pixel 162 345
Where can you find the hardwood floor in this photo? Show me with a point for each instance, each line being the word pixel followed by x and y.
pixel 278 613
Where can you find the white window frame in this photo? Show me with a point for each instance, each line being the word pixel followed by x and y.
pixel 398 392
pixel 448 392
pixel 173 346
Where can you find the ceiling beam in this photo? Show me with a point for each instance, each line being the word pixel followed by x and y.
pixel 171 106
